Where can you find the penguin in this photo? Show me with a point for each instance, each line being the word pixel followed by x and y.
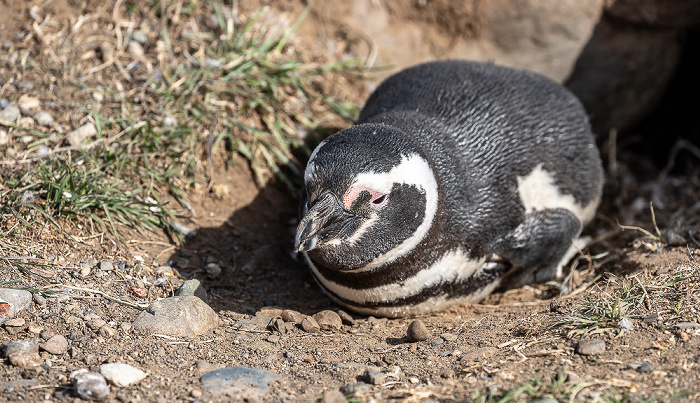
pixel 459 178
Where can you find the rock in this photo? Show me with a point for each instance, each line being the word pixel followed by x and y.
pixel 82 133
pixel 447 373
pixel 333 396
pixel 686 325
pixel 183 316
pixel 56 345
pixel 39 299
pixel 292 316
pixel 652 317
pixel 24 85
pixel 27 104
pixel 646 367
pixel 96 323
pixel 213 270
pixel 139 36
pixel 89 385
pixel 417 331
pixel 448 337
pixel 22 353
pixel 328 321
pixel 280 326
pixel 33 372
pixel 195 288
pixel 14 326
pixel 4 137
pixel 377 321
pixel 107 331
pixel 169 121
pixel 590 347
pixel 274 339
pixel 674 239
pixel 205 366
pixel 122 375
pixel 98 96
pixel 12 302
pixel 238 382
pixel 106 266
pixel 625 323
pixel 546 400
pixel 352 389
pixel 135 49
pixel 43 118
pixel 374 377
pixel 346 318
pixel 309 325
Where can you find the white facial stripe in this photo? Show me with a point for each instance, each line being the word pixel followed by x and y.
pixel 413 170
pixel 538 192
pixel 310 166
pixel 454 266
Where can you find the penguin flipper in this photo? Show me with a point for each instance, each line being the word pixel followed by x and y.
pixel 540 246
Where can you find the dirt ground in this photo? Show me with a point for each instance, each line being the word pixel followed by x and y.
pixel 481 352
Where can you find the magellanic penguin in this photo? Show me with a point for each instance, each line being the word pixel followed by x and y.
pixel 458 177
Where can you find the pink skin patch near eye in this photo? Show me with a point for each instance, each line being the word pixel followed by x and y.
pixel 377 199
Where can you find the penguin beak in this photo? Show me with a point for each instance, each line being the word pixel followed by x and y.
pixel 325 221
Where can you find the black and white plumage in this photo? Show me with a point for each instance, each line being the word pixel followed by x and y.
pixel 459 177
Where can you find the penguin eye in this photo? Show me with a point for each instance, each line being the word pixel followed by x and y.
pixel 379 200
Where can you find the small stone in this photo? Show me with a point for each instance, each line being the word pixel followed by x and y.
pixel 377 321
pixel 292 316
pixel 122 375
pixel 169 121
pixel 9 115
pixel 26 123
pixel 346 318
pixel 590 347
pixel 546 400
pixel 274 339
pixel 213 270
pixel 204 366
pixel 674 239
pixel 241 382
pixel 193 288
pixel 89 385
pixel 56 345
pixel 22 353
pixel 98 96
pixel 183 316
pixel 27 104
pixel 625 323
pixel 17 322
pixel 36 329
pixel 43 118
pixel 106 266
pixel 328 320
pixel 39 299
pixel 333 396
pixel 280 326
pixel 107 331
pixel 352 389
pixel 4 137
pixel 652 317
pixel 24 85
pixel 447 373
pixel 13 302
pixel 82 133
pixel 139 36
pixel 96 323
pixel 33 372
pixel 417 331
pixel 47 334
pixel 686 325
pixel 555 305
pixel 646 367
pixel 448 337
pixel 196 393
pixel 374 377
pixel 309 325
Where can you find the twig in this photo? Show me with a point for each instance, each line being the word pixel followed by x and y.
pixel 98 292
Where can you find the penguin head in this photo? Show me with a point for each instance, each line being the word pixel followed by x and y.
pixel 369 197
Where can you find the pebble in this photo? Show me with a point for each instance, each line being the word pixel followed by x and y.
pixel 82 133
pixel 193 288
pixel 106 266
pixel 238 382
pixel 4 137
pixel 135 49
pixel 9 114
pixel 377 321
pixel 196 393
pixel 13 302
pixel 33 372
pixel 374 377
pixel 674 239
pixel 89 385
pixel 169 121
pixel 96 323
pixel 686 325
pixel 448 337
pixel 547 400
pixel 204 366
pixel 181 316
pixel 4 103
pixel 39 299
pixel 24 85
pixel 447 373
pixel 292 316
pixel 353 388
pixel 22 353
pixel 107 331
pixel 625 323
pixel 139 36
pixel 328 320
pixel 417 331
pixel 122 375
pixel 590 347
pixel 280 326
pixel 213 270
pixel 27 105
pixel 346 318
pixel 333 396
pixel 309 325
pixel 43 118
pixel 56 345
pixel 17 322
pixel 652 317
pixel 646 367
pixel 98 96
